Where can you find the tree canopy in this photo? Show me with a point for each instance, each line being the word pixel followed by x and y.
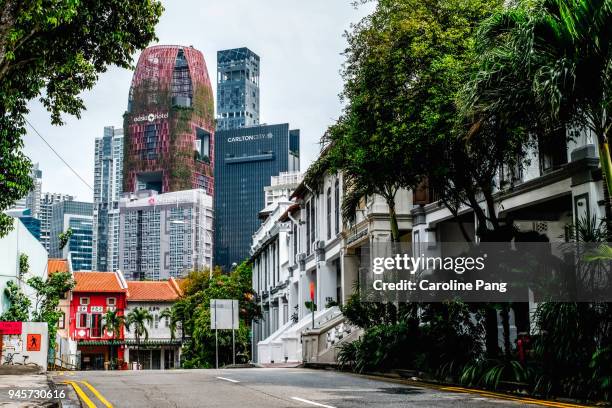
pixel 53 50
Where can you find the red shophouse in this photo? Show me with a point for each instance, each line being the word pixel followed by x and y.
pixel 96 293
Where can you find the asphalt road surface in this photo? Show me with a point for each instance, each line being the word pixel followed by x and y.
pixel 267 388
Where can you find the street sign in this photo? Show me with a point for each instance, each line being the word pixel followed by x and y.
pixel 10 327
pixel 33 342
pixel 224 314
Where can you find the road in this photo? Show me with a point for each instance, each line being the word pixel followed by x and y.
pixel 269 388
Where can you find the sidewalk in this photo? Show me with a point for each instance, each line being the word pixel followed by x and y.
pixel 281 365
pixel 17 381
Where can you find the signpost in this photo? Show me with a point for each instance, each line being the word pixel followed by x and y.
pixel 224 316
pixel 312 303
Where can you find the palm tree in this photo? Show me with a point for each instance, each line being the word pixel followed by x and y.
pixel 113 321
pixel 549 62
pixel 171 315
pixel 138 319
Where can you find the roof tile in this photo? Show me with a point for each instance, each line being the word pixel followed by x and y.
pixel 97 282
pixel 166 291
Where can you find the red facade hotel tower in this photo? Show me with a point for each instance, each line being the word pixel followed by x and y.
pixel 169 124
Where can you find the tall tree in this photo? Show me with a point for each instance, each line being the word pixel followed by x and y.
pixel 53 50
pixel 548 63
pixel 138 320
pixel 113 322
pixel 405 64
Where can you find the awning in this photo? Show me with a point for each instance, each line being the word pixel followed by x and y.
pixel 153 342
pixel 131 342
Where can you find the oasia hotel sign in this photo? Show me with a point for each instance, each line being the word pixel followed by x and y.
pixel 150 117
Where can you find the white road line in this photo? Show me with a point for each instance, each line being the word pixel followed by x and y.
pixel 228 379
pixel 311 402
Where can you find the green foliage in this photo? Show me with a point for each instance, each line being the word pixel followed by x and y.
pixel 113 322
pixel 406 63
pixel 489 373
pixel 138 320
pixel 64 238
pixel 19 304
pixel 192 314
pixel 46 300
pixel 310 305
pixel 48 295
pixel 24 266
pixel 439 339
pixel 53 50
pixel 547 63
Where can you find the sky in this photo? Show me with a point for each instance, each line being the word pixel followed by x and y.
pixel 300 44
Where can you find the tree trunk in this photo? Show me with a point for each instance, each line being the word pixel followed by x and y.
pixel 491 331
pixel 505 317
pixel 395 234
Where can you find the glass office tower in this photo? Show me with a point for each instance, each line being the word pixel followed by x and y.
pixel 246 160
pixel 237 88
pixel 78 216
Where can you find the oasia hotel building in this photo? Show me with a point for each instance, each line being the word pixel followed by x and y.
pixel 166 218
pixel 169 124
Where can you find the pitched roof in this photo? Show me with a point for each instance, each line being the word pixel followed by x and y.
pixel 57 265
pixel 97 282
pixel 164 291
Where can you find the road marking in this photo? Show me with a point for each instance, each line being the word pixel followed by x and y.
pixel 311 402
pixel 508 397
pixel 81 394
pixel 228 379
pixel 99 396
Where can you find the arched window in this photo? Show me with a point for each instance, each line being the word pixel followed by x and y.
pixel 329 212
pixel 337 204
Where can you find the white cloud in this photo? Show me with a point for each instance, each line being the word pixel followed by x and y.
pixel 300 45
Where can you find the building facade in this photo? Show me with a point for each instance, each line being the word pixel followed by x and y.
pixel 19 241
pixel 165 235
pixel 169 124
pixel 246 160
pixel 32 200
pixel 281 187
pixel 237 88
pixel 78 216
pixel 161 350
pixel 46 215
pixel 95 294
pixel 108 184
pixel 30 222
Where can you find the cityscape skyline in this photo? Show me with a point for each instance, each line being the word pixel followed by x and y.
pixel 290 65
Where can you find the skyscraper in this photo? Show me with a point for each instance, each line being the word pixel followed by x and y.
pixel 165 235
pixel 78 216
pixel 169 123
pixel 108 183
pixel 237 88
pixel 32 199
pixel 46 214
pixel 246 160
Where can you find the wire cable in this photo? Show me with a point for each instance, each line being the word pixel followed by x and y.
pixel 58 155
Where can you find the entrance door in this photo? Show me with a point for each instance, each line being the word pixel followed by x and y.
pixel 168 358
pixel 156 359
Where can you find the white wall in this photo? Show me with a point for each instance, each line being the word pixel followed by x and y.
pixel 20 241
pixel 155 308
pixel 18 344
